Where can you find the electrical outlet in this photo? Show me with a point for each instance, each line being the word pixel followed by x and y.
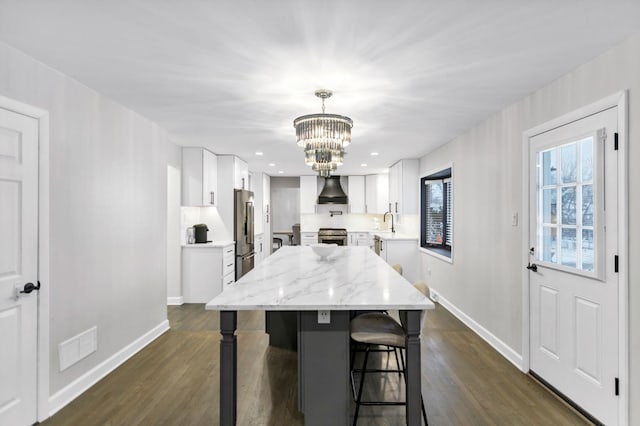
pixel 324 317
pixel 514 219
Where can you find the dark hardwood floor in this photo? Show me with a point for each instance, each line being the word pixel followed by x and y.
pixel 174 381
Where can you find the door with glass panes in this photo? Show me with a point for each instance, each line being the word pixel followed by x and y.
pixel 573 285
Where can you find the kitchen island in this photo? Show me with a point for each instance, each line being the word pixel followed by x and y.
pixel 296 279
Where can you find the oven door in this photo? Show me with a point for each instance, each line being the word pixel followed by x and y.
pixel 334 239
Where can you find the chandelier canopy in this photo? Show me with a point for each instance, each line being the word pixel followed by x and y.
pixel 324 137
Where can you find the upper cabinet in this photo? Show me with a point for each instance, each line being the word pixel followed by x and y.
pixel 357 194
pixel 377 194
pixel 308 194
pixel 404 185
pixel 199 177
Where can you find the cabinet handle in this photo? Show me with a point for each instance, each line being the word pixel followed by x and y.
pixel 242 183
pixel 396 207
pixel 231 264
pixel 213 199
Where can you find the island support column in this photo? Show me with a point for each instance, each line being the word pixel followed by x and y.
pixel 228 368
pixel 413 378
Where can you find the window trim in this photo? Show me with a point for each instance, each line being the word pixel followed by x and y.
pixel 443 251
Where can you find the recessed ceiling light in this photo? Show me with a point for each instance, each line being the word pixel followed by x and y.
pixel 258 152
pixel 272 164
pixel 280 171
pixel 374 153
pixel 363 165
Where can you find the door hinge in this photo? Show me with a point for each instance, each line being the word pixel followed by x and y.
pixel 617 386
pixel 615 141
pixel 615 263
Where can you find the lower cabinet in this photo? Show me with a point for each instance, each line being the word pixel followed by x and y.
pixel 359 239
pixel 206 271
pixel 308 238
pixel 404 253
pixel 259 249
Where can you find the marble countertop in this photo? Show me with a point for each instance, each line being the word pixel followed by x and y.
pixel 394 236
pixel 295 278
pixel 214 244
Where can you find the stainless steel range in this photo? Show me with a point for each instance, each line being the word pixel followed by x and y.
pixel 332 236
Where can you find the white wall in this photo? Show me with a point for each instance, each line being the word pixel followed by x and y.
pixel 174 235
pixel 108 188
pixel 484 280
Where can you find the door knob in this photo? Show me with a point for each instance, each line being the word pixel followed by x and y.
pixel 26 289
pixel 29 287
pixel 532 267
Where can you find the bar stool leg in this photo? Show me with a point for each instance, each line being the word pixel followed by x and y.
pixel 359 398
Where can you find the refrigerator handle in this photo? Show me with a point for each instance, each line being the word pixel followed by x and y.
pixel 248 223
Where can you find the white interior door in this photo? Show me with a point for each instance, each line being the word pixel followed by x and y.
pixel 18 266
pixel 573 283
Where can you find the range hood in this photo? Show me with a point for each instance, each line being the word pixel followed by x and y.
pixel 332 193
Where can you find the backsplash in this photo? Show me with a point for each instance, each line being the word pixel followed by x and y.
pixel 408 224
pixel 208 215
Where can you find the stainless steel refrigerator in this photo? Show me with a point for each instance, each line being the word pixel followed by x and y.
pixel 243 231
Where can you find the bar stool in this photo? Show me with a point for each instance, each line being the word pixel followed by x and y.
pixel 378 329
pixel 277 243
pixel 398 268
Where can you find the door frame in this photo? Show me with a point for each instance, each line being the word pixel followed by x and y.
pixel 42 116
pixel 619 100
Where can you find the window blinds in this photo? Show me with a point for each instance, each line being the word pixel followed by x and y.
pixel 449 210
pixel 439 212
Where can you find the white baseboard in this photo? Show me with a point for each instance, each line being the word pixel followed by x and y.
pixel 70 392
pixel 503 349
pixel 175 300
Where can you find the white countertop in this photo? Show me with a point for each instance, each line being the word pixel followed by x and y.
pixel 394 236
pixel 294 278
pixel 215 244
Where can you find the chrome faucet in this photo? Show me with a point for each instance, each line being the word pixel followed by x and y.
pixel 384 219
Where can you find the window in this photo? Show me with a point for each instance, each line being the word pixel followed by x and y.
pixel 436 219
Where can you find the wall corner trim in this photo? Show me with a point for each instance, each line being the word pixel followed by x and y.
pixel 175 300
pixel 74 389
pixel 503 349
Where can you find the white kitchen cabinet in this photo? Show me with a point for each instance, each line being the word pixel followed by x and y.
pixel 358 239
pixel 258 248
pixel 199 177
pixel 377 194
pixel 266 214
pixel 403 252
pixel 357 194
pixel 404 186
pixel 308 238
pixel 241 174
pixel 308 194
pixel 206 271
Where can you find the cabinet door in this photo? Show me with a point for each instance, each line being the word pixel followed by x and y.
pixel 209 178
pixel 377 193
pixel 308 194
pixel 394 186
pixel 357 194
pixel 241 174
pixel 199 177
pixel 383 249
pixel 259 248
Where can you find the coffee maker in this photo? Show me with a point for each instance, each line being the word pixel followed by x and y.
pixel 201 233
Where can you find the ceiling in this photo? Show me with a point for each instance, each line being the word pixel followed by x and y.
pixel 232 75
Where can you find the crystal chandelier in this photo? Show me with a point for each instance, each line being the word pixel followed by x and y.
pixel 324 138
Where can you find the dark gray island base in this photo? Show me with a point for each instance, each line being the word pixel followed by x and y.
pixel 323 364
pixel 282 328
